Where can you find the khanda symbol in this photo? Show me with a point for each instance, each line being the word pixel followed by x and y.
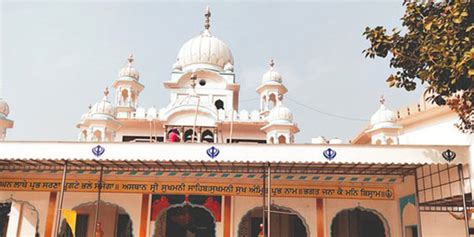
pixel 329 154
pixel 98 150
pixel 449 155
pixel 213 152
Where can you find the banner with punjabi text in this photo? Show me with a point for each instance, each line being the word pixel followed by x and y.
pixel 198 188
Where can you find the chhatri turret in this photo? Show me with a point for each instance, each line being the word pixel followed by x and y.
pixel 384 129
pixel 127 90
pixel 99 124
pixel 271 90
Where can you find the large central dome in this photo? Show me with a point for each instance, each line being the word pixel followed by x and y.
pixel 205 51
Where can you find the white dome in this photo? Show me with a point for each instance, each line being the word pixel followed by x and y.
pixel 383 116
pixel 4 108
pixel 280 113
pixel 103 107
pixel 272 76
pixel 205 50
pixel 129 70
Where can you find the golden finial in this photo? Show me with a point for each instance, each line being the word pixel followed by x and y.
pixel 272 63
pixel 130 59
pixel 207 15
pixel 382 100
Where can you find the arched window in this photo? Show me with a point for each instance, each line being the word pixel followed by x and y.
pixel 188 135
pixel 271 101
pixel 84 135
pixel 173 135
pixel 378 142
pixel 98 135
pixel 185 220
pixel 389 141
pixel 111 217
pixel 208 136
pixel 272 140
pixel 124 96
pixel 282 139
pixel 133 97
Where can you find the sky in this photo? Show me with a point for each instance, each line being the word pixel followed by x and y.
pixel 58 56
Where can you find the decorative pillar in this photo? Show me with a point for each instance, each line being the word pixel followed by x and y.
pixel 144 214
pixel 50 216
pixel 227 216
pixel 319 217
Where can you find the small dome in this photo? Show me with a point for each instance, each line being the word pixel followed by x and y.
pixel 103 107
pixel 383 115
pixel 280 113
pixel 336 141
pixel 272 76
pixel 4 108
pixel 319 140
pixel 205 50
pixel 129 70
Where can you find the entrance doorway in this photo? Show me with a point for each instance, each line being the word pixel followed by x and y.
pixel 18 218
pixel 115 221
pixel 357 223
pixel 185 221
pixel 284 223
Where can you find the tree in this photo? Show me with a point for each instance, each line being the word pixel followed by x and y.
pixel 435 50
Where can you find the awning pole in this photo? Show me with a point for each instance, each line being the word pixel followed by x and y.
pixel 99 188
pixel 461 184
pixel 269 200
pixel 61 198
pixel 417 203
pixel 263 204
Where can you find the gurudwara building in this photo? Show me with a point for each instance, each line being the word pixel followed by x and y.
pixel 200 167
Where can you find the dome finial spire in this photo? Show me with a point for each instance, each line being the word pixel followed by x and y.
pixel 106 92
pixel 207 15
pixel 272 63
pixel 382 100
pixel 130 59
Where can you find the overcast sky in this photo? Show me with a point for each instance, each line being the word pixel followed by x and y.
pixel 57 57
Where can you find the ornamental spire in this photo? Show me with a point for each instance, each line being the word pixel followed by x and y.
pixel 207 16
pixel 382 100
pixel 106 93
pixel 130 60
pixel 272 64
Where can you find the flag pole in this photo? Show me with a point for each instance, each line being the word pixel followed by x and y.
pixel 98 199
pixel 61 198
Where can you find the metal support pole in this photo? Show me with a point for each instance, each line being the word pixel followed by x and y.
pixel 269 199
pixel 232 126
pixel 417 203
pixel 99 188
pixel 263 204
pixel 61 198
pixel 461 184
pixel 195 119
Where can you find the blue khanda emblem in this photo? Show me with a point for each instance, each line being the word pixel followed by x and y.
pixel 449 155
pixel 213 152
pixel 329 154
pixel 98 150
